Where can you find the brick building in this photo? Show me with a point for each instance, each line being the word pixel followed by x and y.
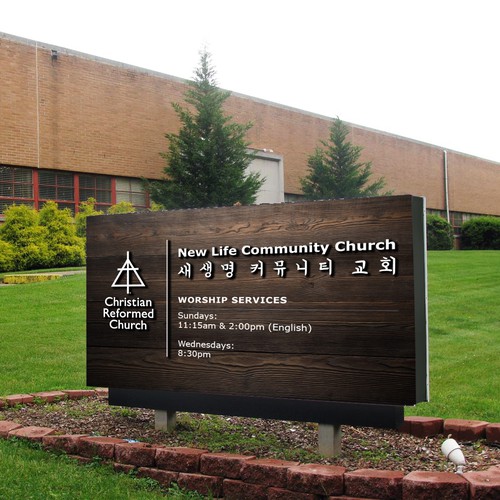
pixel 74 126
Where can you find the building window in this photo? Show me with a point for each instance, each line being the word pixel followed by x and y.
pixel 57 186
pixel 34 187
pixel 97 187
pixel 131 190
pixel 290 197
pixel 16 187
pixel 457 219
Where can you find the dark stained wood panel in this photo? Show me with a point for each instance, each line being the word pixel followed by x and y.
pixel 319 335
pixel 315 377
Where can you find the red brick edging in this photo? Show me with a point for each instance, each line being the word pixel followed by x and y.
pixel 240 477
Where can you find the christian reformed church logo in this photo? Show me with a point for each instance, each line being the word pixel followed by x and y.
pixel 132 314
pixel 128 276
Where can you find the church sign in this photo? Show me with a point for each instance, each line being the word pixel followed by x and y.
pixel 289 310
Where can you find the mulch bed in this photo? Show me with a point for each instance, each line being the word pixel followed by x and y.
pixel 361 447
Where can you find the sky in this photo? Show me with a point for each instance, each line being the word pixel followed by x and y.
pixel 427 70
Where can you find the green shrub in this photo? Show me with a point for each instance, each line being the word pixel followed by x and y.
pixel 34 253
pixel 481 233
pixel 7 257
pixel 86 209
pixel 42 239
pixel 123 207
pixel 439 233
pixel 67 255
pixel 28 239
pixel 65 247
pixel 22 279
pixel 156 207
pixel 19 220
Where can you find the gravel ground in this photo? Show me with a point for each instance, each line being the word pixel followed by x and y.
pixel 361 447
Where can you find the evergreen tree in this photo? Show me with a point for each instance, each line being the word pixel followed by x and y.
pixel 335 170
pixel 208 158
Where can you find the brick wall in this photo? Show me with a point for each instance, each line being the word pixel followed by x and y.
pixel 18 143
pixel 105 117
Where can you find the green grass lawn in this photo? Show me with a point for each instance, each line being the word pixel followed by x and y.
pixel 464 336
pixel 42 347
pixel 30 473
pixel 42 340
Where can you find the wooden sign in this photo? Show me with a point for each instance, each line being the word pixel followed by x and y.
pixel 316 301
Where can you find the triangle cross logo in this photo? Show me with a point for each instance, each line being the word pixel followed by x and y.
pixel 134 281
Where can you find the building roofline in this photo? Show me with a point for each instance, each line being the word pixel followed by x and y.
pixel 89 57
pixel 118 64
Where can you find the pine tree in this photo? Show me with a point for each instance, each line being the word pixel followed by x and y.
pixel 207 159
pixel 335 170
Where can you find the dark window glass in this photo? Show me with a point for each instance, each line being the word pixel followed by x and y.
pixel 16 183
pixel 97 187
pixel 57 186
pixel 48 192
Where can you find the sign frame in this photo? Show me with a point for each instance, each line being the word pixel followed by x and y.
pixel 112 234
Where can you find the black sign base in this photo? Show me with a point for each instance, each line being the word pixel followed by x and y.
pixel 323 412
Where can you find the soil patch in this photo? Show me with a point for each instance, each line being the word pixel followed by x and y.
pixel 361 447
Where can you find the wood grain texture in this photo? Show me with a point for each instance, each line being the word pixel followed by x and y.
pixel 360 339
pixel 314 377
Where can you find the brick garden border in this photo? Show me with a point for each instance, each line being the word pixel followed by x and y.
pixel 240 477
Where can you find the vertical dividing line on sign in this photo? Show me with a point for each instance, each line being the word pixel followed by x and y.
pixel 167 302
